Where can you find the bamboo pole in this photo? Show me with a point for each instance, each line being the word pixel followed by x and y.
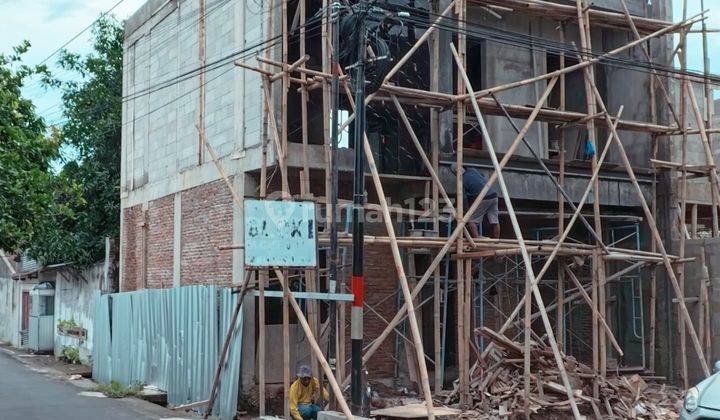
pixel 598 273
pixel 653 272
pixel 560 316
pixel 407 295
pixel 285 188
pixel 310 275
pixel 682 226
pixel 263 274
pixel 435 158
pixel 606 18
pixel 518 233
pixel 527 325
pixel 462 346
pixel 704 298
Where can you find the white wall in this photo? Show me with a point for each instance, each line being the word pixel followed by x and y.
pixel 8 313
pixel 11 308
pixel 74 299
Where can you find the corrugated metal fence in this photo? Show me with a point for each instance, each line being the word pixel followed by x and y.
pixel 170 338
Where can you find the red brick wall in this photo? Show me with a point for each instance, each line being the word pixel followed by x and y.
pixel 206 223
pixel 160 229
pixel 380 282
pixel 131 248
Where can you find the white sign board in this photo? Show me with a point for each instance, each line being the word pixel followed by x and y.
pixel 280 233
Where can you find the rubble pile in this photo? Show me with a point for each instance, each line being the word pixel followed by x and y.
pixel 497 387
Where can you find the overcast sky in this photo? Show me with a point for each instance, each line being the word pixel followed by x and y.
pixel 48 24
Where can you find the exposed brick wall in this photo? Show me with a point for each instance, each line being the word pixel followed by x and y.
pixel 131 248
pixel 160 242
pixel 380 282
pixel 206 223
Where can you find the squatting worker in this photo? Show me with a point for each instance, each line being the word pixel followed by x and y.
pixel 303 394
pixel 473 182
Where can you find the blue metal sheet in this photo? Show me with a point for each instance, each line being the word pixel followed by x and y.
pixel 169 339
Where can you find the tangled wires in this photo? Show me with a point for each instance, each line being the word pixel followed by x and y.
pixel 376 22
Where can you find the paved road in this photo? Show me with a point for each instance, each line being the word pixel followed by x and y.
pixel 29 395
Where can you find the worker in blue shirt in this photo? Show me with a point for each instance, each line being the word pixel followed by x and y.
pixel 473 182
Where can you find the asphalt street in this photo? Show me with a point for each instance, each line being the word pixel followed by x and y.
pixel 29 395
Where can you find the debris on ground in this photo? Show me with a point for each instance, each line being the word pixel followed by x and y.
pixel 497 387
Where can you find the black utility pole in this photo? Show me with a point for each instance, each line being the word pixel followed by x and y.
pixel 334 98
pixel 356 328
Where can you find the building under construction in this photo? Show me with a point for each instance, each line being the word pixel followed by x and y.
pixel 583 116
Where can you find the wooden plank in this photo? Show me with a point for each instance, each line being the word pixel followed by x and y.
pixel 413 411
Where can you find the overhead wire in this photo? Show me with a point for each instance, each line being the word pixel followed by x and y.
pixel 228 59
pixel 476 31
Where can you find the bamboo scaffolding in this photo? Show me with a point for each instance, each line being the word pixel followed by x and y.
pixel 598 347
pixel 460 244
pixel 656 236
pixel 518 231
pixel 562 238
pixel 566 12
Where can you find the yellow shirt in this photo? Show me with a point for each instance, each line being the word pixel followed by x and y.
pixel 300 394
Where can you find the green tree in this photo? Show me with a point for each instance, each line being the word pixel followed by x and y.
pixel 26 183
pixel 92 128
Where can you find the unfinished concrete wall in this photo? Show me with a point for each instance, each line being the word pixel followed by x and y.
pixel 75 293
pixel 505 63
pixel 162 82
pixel 695 274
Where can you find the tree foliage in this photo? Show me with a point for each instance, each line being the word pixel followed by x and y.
pixel 26 183
pixel 88 185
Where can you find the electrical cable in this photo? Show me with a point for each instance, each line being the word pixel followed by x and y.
pixel 532 42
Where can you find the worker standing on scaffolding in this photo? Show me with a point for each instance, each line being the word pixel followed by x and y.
pixel 473 182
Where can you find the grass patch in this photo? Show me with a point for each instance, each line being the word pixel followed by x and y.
pixel 117 390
